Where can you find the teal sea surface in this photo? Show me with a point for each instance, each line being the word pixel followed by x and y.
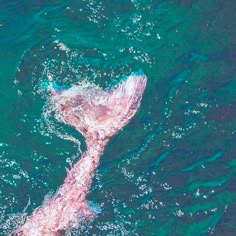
pixel 171 170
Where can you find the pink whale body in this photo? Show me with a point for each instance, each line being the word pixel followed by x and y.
pixel 98 115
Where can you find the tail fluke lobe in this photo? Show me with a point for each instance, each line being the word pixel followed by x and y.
pixel 53 87
pixel 97 113
pixel 125 100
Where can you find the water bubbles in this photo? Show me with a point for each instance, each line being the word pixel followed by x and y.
pixel 158 36
pixel 197 194
pixel 95 11
pixel 57 31
pixel 127 174
pixel 19 92
pixel 62 46
pixel 191 111
pixel 150 205
pixel 176 135
pixel 166 186
pixel 3 145
pixel 202 104
pixel 161 204
pixel 137 18
pixel 11 222
pixel 179 213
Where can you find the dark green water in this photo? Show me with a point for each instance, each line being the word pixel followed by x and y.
pixel 171 171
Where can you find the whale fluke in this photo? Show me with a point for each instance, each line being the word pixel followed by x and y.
pixel 98 115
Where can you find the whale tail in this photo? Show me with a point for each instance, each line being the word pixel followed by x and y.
pixel 97 113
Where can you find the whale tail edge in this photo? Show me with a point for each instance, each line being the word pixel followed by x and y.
pixel 98 113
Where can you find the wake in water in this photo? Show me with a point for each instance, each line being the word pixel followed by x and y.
pixel 97 115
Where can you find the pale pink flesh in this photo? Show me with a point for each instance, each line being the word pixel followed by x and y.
pixel 98 115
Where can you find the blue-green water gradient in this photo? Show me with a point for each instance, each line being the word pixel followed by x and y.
pixel 171 170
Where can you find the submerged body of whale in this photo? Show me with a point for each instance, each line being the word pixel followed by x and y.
pixel 97 115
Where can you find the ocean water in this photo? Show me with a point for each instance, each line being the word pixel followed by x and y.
pixel 171 170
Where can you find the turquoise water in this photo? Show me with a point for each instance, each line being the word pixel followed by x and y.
pixel 171 171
